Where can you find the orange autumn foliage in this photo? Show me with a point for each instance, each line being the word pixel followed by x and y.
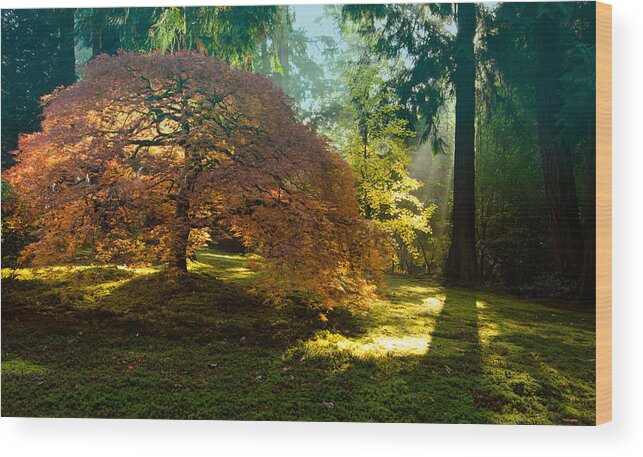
pixel 148 156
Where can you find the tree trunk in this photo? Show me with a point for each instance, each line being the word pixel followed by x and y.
pixel 461 261
pixel 587 295
pixel 426 258
pixel 66 55
pixel 266 67
pixel 555 156
pixel 282 46
pixel 178 261
pixel 105 39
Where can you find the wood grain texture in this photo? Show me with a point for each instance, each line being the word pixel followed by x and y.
pixel 603 213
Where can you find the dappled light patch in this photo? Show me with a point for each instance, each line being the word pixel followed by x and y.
pixel 487 329
pixel 20 367
pixel 371 345
pixel 434 303
pixel 399 326
pixel 228 267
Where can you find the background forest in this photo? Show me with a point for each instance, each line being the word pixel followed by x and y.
pixel 352 212
pixel 381 83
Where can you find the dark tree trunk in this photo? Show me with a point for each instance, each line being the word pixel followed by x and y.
pixel 461 261
pixel 556 156
pixel 181 232
pixel 66 54
pixel 587 295
pixel 105 39
pixel 178 261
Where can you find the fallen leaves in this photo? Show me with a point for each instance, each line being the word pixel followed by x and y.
pixel 328 404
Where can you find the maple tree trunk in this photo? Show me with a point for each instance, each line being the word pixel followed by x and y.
pixel 555 156
pixel 180 235
pixel 178 261
pixel 461 261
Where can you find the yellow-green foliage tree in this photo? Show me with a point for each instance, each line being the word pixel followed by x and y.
pixel 376 148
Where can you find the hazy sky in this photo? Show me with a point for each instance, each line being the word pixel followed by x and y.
pixel 311 19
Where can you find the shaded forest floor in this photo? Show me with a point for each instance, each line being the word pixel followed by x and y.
pixel 110 342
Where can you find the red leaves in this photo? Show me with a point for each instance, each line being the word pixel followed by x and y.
pixel 142 135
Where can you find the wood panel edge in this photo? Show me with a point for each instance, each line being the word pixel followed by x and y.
pixel 603 213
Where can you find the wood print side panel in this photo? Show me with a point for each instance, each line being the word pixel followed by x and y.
pixel 603 213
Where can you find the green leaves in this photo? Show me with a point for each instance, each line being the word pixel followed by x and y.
pixel 375 147
pixel 418 39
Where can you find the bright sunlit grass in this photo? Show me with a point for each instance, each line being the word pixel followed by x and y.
pixel 400 327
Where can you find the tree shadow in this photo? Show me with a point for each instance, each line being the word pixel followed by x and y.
pixel 201 308
pixel 452 370
pixel 53 291
pixel 540 362
pixel 141 335
pixel 197 307
pixel 439 386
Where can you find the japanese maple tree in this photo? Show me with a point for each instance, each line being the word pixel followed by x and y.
pixel 149 156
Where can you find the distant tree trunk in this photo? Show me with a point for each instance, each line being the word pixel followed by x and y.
pixel 587 295
pixel 105 39
pixel 426 258
pixel 266 67
pixel 555 156
pixel 66 54
pixel 461 261
pixel 282 46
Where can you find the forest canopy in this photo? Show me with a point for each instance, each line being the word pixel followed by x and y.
pixel 467 129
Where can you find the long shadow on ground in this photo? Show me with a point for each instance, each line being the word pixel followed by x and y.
pixel 454 363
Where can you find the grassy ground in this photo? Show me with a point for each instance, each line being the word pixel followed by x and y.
pixel 110 342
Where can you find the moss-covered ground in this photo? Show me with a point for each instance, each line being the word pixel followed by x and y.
pixel 113 342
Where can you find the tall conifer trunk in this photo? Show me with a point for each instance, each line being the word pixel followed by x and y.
pixel 461 261
pixel 587 295
pixel 282 46
pixel 66 54
pixel 556 156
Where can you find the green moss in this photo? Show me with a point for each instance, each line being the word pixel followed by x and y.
pixel 19 367
pixel 113 342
